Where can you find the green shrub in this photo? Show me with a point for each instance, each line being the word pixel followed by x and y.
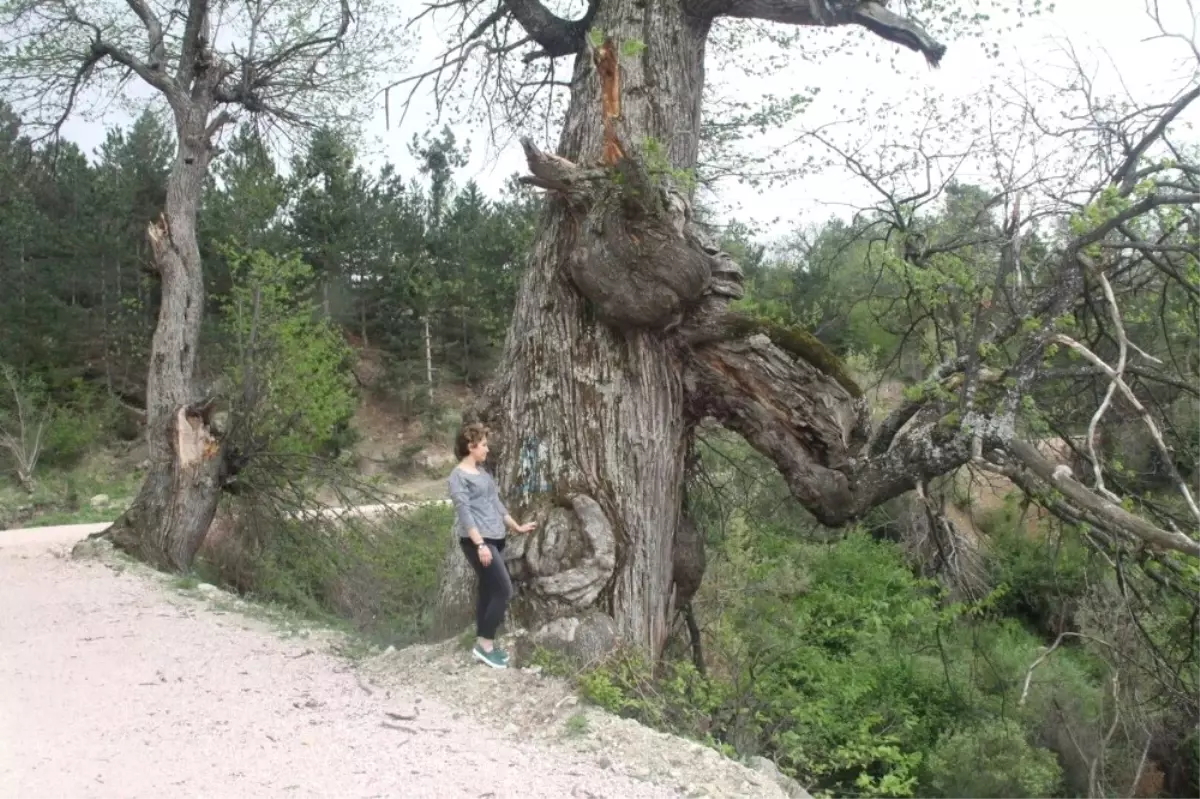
pixel 842 696
pixel 992 759
pixel 859 679
pixel 1044 572
pixel 677 699
pixel 288 368
pixel 380 577
pixel 84 419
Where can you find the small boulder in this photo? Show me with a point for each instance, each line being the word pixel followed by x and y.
pixel 585 639
pixel 768 769
pixel 99 501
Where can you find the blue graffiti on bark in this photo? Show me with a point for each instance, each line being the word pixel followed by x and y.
pixel 531 458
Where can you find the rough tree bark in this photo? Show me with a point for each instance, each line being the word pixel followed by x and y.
pixel 621 343
pixel 167 522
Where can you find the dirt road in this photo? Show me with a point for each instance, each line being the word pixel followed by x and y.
pixel 112 685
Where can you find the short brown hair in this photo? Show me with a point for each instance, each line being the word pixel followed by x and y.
pixel 468 436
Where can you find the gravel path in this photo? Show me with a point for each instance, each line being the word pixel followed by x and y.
pixel 112 685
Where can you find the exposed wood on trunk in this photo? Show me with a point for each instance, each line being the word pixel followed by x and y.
pixel 609 71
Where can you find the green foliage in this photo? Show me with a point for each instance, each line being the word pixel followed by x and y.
pixel 84 419
pixel 551 662
pixel 290 366
pixel 1041 574
pixel 577 724
pixel 50 427
pixel 859 677
pixel 1013 767
pixel 843 698
pixel 631 48
pixel 677 699
pixel 659 166
pixel 391 257
pixel 381 577
pixel 62 495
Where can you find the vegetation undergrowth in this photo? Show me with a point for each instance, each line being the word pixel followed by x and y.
pixel 376 577
pixel 858 676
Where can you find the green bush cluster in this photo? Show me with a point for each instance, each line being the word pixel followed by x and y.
pixel 63 419
pixel 829 654
pixel 379 577
pixel 853 676
pixel 288 366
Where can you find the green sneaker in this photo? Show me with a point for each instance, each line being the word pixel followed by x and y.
pixel 492 658
pixel 501 652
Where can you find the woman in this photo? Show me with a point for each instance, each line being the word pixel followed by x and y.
pixel 480 524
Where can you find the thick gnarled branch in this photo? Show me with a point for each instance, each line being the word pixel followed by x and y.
pixel 874 16
pixel 556 36
pixel 817 434
pixel 813 428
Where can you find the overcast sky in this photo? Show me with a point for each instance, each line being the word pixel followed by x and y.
pixel 1114 35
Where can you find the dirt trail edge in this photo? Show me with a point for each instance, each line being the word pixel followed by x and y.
pixel 115 683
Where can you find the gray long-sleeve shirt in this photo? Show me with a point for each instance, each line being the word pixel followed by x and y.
pixel 477 504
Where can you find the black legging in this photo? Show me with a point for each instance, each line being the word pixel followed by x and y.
pixel 495 586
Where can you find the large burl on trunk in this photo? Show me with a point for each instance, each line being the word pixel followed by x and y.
pixel 622 342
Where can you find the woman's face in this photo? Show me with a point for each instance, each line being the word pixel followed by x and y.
pixel 479 451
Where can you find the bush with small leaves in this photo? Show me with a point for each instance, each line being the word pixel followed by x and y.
pixel 992 759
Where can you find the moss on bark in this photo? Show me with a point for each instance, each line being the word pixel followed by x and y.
pixel 795 341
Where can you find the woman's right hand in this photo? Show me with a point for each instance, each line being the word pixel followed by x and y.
pixel 485 555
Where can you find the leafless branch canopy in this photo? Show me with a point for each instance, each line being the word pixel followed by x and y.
pixel 511 50
pixel 289 61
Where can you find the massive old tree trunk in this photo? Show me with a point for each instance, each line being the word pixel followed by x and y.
pixel 589 412
pixel 623 341
pixel 172 512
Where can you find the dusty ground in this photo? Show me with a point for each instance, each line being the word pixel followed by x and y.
pixel 113 682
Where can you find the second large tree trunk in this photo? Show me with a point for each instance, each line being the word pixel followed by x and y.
pixel 589 417
pixel 172 512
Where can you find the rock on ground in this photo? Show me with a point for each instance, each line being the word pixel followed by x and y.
pixel 115 683
pixel 532 706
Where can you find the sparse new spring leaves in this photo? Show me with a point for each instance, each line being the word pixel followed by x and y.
pixel 631 48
